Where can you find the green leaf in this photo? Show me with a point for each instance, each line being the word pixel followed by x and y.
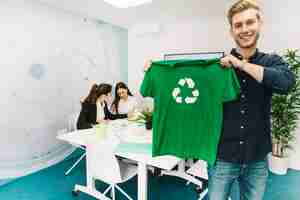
pixel 286 108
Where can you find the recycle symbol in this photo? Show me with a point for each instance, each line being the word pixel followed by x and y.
pixel 189 99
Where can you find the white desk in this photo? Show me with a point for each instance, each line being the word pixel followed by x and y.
pixel 131 133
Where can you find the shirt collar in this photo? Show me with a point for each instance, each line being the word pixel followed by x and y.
pixel 235 53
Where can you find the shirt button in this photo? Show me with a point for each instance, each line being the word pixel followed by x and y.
pixel 242 111
pixel 242 127
pixel 243 96
pixel 244 81
pixel 241 142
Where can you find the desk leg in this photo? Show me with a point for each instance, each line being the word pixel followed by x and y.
pixel 142 181
pixel 90 187
pixel 90 183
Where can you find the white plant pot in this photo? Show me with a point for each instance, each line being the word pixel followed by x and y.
pixel 278 165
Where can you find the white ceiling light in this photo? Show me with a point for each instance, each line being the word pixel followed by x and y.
pixel 127 3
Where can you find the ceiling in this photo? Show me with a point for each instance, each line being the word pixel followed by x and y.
pixel 156 11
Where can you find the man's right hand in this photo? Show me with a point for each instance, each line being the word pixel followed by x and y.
pixel 150 59
pixel 147 65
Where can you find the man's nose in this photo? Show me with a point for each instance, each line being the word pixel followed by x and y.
pixel 245 28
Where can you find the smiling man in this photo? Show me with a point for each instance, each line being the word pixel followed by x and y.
pixel 245 139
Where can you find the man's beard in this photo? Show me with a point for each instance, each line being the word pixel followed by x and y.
pixel 249 46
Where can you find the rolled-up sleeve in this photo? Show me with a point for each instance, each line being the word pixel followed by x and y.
pixel 277 76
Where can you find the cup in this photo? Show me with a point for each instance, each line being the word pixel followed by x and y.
pixel 101 130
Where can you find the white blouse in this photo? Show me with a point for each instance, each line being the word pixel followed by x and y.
pixel 100 111
pixel 129 105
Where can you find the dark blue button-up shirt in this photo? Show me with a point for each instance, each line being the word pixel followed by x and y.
pixel 246 129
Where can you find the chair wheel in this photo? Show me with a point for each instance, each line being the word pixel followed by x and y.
pixel 199 189
pixel 75 193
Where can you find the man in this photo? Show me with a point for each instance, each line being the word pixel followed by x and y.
pixel 245 140
pixel 246 134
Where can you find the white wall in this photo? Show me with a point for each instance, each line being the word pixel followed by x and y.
pixel 176 36
pixel 207 33
pixel 47 58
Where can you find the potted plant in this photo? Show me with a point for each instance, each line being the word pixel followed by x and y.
pixel 147 116
pixel 285 110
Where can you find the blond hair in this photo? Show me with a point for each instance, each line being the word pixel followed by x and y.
pixel 241 6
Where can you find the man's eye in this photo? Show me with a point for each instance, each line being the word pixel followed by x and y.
pixel 250 22
pixel 239 25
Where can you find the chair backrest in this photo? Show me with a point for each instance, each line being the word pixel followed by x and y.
pixel 72 121
pixel 199 169
pixel 62 131
pixel 102 162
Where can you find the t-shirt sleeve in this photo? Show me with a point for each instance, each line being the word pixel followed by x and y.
pixel 147 84
pixel 232 86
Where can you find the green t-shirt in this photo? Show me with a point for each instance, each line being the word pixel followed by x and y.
pixel 188 106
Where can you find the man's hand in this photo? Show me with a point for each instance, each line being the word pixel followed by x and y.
pixel 150 59
pixel 231 61
pixel 147 65
pixel 255 71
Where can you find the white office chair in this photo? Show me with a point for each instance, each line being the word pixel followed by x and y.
pixel 102 164
pixel 72 126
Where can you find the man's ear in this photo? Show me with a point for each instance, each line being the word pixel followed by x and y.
pixel 260 21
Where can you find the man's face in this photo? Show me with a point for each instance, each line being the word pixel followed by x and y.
pixel 245 28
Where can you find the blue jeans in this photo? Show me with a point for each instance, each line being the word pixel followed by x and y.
pixel 252 179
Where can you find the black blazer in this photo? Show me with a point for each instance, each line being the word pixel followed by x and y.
pixel 88 115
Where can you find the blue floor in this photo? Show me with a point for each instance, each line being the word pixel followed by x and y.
pixel 52 184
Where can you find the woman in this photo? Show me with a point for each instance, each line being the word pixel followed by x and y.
pixel 124 101
pixel 94 108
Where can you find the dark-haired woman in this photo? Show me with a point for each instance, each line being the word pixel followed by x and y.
pixel 94 108
pixel 124 101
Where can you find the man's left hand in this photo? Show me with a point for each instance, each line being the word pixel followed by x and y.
pixel 231 61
